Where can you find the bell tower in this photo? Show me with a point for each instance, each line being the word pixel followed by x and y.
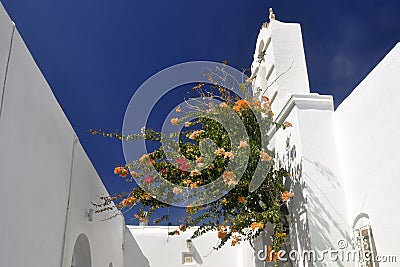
pixel 279 65
pixel 317 214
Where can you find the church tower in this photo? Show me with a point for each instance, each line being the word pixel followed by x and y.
pixel 317 216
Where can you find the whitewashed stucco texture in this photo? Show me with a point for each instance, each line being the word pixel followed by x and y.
pixel 153 247
pixel 47 181
pixel 368 129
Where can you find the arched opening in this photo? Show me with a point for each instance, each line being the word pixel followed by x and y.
pixel 81 256
pixel 364 241
pixel 261 50
pixel 110 265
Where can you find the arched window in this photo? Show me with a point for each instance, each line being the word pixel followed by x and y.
pixel 364 241
pixel 81 256
pixel 261 50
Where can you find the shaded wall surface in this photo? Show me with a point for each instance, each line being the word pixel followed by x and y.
pixel 47 180
pixel 368 129
pixel 152 247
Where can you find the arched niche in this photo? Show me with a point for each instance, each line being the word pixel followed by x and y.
pixel 81 256
pixel 364 241
pixel 260 49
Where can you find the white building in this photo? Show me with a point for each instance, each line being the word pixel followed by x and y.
pixel 343 163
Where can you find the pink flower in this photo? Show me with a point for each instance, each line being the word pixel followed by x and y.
pixel 148 179
pixel 181 160
pixel 184 167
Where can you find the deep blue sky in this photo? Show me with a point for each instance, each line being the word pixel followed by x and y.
pixel 94 54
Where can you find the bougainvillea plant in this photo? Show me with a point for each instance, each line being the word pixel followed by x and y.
pixel 241 214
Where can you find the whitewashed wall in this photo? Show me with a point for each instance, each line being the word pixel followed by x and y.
pixel 153 247
pixel 368 129
pixel 318 214
pixel 47 181
pixel 318 217
pixel 283 70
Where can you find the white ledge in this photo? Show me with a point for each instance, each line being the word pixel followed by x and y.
pixel 303 101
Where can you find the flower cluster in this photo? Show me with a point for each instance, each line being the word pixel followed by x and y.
pixel 121 171
pixel 127 202
pixel 194 135
pixel 256 225
pixel 240 105
pixel 286 195
pixel 244 212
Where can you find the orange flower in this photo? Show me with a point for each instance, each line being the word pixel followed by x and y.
pixel 257 105
pixel 228 154
pixel 267 106
pixel 182 228
pixel 177 190
pixel 199 159
pixel 264 156
pixel 140 218
pixel 124 203
pixel 222 234
pixel 129 201
pixel 178 109
pixel 243 144
pixel 174 121
pixel 277 234
pixel 194 185
pixel 286 195
pixel 241 104
pixel 241 199
pixel 235 241
pixel 121 171
pixel 223 105
pixel 220 151
pixel 189 209
pixel 287 124
pixel 188 181
pixel 146 196
pixel 195 134
pixel 257 225
pixel 249 80
pixel 145 159
pixel 229 178
pixel 272 255
pixel 188 124
pixel 264 98
pixel 195 172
